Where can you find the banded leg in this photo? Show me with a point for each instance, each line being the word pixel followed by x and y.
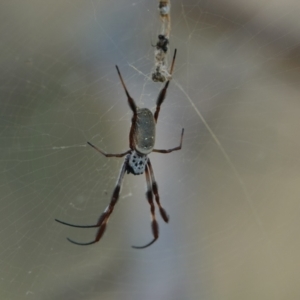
pixel 154 224
pixel 102 221
pixel 162 95
pixel 162 211
pixel 172 149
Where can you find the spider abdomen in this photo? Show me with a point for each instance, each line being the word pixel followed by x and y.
pixel 144 131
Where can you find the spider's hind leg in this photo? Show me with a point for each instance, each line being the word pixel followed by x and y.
pixel 162 94
pixel 131 102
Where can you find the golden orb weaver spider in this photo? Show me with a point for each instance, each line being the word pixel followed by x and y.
pixel 141 142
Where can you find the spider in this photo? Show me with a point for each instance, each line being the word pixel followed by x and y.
pixel 141 142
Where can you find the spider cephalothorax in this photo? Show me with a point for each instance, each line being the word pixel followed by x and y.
pixel 136 163
pixel 141 142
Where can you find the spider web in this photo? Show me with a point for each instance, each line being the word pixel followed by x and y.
pixel 232 192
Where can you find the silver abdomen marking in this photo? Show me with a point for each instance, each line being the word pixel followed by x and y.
pixel 144 131
pixel 137 163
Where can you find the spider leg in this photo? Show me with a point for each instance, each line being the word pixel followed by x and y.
pixel 154 224
pixel 103 219
pixel 162 211
pixel 108 154
pixel 162 94
pixel 130 100
pixel 101 223
pixel 173 149
pixel 77 226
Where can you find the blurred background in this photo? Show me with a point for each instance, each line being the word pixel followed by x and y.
pixel 232 192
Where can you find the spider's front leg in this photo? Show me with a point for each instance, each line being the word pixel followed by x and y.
pixel 102 221
pixel 162 211
pixel 154 224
